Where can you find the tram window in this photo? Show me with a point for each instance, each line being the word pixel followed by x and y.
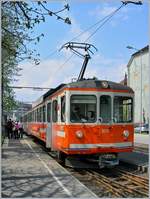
pixel 54 112
pixel 28 117
pixel 36 115
pixel 32 116
pixel 49 112
pixel 83 109
pixel 41 115
pixel 105 108
pixel 63 105
pixel 123 109
pixel 44 113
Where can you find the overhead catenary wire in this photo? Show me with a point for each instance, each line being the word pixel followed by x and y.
pixel 108 18
pixel 83 32
pixel 105 19
pixel 92 26
pixel 87 29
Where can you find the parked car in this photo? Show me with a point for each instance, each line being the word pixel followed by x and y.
pixel 144 128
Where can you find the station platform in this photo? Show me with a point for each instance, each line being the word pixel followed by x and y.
pixel 28 171
pixel 138 159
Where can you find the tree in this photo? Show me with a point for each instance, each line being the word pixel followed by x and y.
pixel 18 21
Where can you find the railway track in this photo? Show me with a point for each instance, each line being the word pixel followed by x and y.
pixel 115 183
pixel 123 185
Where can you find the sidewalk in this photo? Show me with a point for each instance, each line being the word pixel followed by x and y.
pixel 28 171
pixel 142 139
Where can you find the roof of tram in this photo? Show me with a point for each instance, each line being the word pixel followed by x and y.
pixel 90 83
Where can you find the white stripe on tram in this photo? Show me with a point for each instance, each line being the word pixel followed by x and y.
pixel 89 146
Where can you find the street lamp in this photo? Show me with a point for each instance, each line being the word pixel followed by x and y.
pixel 133 48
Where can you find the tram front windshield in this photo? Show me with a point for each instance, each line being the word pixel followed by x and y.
pixel 83 108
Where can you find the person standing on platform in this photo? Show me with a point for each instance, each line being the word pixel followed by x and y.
pixel 20 130
pixel 9 128
pixel 16 130
pixel 13 129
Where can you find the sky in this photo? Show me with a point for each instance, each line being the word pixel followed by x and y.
pixel 129 26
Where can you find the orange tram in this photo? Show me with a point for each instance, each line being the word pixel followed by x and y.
pixel 87 119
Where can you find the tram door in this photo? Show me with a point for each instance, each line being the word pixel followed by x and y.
pixel 49 126
pixel 106 119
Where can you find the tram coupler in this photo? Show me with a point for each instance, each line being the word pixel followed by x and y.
pixel 108 160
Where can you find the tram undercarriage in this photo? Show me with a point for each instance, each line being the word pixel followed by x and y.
pixel 90 161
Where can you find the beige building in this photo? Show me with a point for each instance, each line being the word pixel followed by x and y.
pixel 139 80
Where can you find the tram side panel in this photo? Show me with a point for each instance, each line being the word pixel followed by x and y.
pixel 97 138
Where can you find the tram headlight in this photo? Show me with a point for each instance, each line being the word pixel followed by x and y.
pixel 79 134
pixel 126 133
pixel 104 84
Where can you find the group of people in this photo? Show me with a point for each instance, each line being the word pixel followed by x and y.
pixel 14 129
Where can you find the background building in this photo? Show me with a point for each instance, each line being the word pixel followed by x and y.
pixel 139 80
pixel 22 109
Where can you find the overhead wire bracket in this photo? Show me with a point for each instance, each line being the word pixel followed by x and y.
pixel 134 2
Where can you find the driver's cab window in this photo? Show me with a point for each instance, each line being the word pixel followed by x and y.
pixel 105 109
pixel 83 108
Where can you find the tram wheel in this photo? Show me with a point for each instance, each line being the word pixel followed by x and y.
pixel 61 157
